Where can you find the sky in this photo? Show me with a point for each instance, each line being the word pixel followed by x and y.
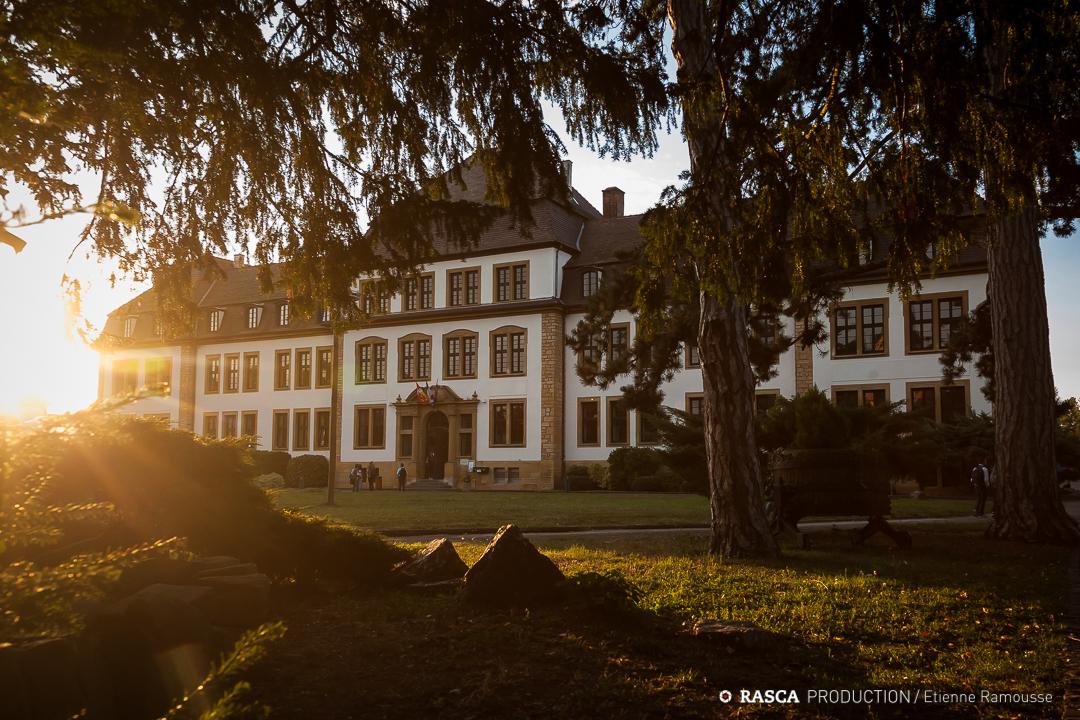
pixel 44 365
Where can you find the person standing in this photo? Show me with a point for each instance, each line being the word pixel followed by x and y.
pixel 402 476
pixel 372 474
pixel 980 478
pixel 356 477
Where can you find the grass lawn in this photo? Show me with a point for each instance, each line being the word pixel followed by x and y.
pixel 466 511
pixel 955 613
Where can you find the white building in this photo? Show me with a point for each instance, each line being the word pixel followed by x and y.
pixel 483 332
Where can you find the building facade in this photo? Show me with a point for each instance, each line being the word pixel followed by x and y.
pixel 466 371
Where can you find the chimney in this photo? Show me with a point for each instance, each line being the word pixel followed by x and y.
pixel 238 260
pixel 568 173
pixel 613 202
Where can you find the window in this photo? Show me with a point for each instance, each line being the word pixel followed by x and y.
pixel 408 294
pixel 695 405
pixel 282 369
pixel 766 328
pixel 512 282
pixel 249 424
pixel 414 358
pixel 374 300
pixel 322 429
pixel 125 379
pixel 860 329
pixel 504 475
pixel 427 292
pixel 508 351
pixel 254 315
pixel 693 356
pixel 232 373
pixel 932 319
pixel 369 428
pixel 129 326
pixel 588 422
pixel 159 373
pixel 405 436
pixel 463 287
pixel 210 425
pixel 216 316
pixel 590 354
pixel 251 372
pixel 281 430
pixel 301 429
pixel 459 354
pixel 508 423
pixel 465 435
pixel 618 422
pixel 938 401
pixel 283 314
pixel 370 361
pixel 765 399
pixel 303 368
pixel 590 282
pixel 324 314
pixel 618 342
pixel 324 367
pixel 647 431
pixel 213 373
pixel 229 426
pixel 853 396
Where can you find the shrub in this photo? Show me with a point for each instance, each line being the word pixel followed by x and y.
pixel 598 474
pixel 307 471
pixel 270 461
pixel 626 465
pixel 168 483
pixel 269 481
pixel 577 478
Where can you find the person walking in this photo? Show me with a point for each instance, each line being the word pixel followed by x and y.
pixel 980 478
pixel 402 476
pixel 356 477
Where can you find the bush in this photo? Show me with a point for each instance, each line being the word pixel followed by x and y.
pixel 577 478
pixel 167 483
pixel 598 474
pixel 269 481
pixel 270 461
pixel 627 465
pixel 307 471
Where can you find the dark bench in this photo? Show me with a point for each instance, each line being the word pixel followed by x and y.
pixel 829 483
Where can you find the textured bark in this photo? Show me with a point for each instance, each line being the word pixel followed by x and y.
pixel 737 502
pixel 1027 505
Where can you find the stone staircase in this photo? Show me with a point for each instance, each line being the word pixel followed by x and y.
pixel 428 484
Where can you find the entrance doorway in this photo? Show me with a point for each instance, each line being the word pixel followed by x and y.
pixel 437 444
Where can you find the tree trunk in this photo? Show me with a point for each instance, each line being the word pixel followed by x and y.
pixel 1027 505
pixel 737 502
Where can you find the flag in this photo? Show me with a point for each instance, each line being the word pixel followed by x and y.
pixel 432 392
pixel 8 239
pixel 421 395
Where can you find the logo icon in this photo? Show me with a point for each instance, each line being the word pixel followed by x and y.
pixel 725 696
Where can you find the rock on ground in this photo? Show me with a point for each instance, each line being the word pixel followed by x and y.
pixel 512 572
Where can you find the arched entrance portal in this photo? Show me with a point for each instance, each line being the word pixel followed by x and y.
pixel 437 444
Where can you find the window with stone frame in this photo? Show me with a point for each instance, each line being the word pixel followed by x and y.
pixel 693 357
pixel 280 433
pixel 508 348
pixel 466 435
pixel 369 427
pixel 249 423
pixel 414 358
pixel 324 366
pixel 282 369
pixel 232 372
pixel 230 425
pixel 251 372
pixel 860 329
pixel 370 361
pixel 618 422
pixel 125 376
pixel 210 425
pixel 159 373
pixel 459 354
pixel 405 435
pixel 213 374
pixel 695 405
pixel 216 317
pixel 938 401
pixel 932 319
pixel 618 342
pixel 322 429
pixel 283 314
pixel 254 314
pixel 588 422
pixel 301 429
pixel 855 396
pixel 507 423
pixel 511 282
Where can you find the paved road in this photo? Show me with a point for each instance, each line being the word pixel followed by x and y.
pixel 638 532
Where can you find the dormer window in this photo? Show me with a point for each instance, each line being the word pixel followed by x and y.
pixel 324 315
pixel 216 316
pixel 254 316
pixel 931 250
pixel 590 283
pixel 866 253
pixel 283 315
pixel 129 326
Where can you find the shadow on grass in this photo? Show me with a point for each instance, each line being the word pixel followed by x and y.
pixel 400 656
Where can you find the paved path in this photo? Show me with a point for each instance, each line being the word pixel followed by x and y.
pixel 640 532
